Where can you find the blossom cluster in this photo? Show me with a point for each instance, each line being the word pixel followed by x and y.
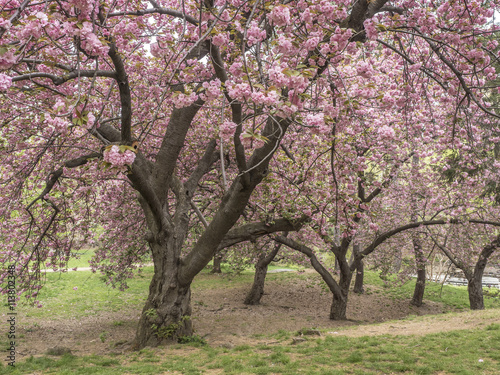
pixel 5 82
pixel 119 159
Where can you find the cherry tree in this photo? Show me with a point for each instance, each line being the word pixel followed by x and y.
pixel 121 116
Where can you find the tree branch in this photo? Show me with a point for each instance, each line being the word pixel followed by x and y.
pixel 124 88
pixel 55 175
pixel 207 160
pixel 157 10
pixel 59 80
pixel 327 277
pixel 172 144
pixel 252 231
pixel 388 234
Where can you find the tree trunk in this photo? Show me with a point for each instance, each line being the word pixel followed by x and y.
pixel 475 277
pixel 360 271
pixel 217 263
pixel 475 281
pixel 167 312
pixel 418 293
pixel 338 310
pixel 257 291
pixel 475 289
pixel 358 281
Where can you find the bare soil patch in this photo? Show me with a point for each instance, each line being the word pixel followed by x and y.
pixel 220 317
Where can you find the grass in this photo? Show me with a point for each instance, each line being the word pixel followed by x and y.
pixel 468 352
pixel 457 352
pixel 84 256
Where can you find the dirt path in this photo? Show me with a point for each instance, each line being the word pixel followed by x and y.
pixel 425 325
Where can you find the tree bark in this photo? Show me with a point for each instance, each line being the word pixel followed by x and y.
pixel 358 281
pixel 257 291
pixel 167 312
pixel 360 271
pixel 475 281
pixel 418 293
pixel 475 289
pixel 338 310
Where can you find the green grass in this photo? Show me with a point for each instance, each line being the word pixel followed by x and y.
pixel 84 256
pixel 61 299
pixel 467 352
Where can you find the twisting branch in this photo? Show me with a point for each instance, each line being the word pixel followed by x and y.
pixel 157 10
pixel 388 180
pixel 459 76
pixel 207 160
pixel 252 231
pixel 55 175
pixel 327 277
pixel 388 234
pixel 124 88
pixel 59 80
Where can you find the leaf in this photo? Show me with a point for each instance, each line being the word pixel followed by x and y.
pixel 124 148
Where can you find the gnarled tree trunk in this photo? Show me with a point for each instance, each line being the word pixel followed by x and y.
pixel 475 281
pixel 257 291
pixel 475 276
pixel 338 310
pixel 167 312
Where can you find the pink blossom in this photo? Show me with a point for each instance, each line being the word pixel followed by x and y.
pixel 5 24
pixel 226 130
pixel 5 82
pixel 311 43
pixel 182 100
pixel 285 45
pixel 240 91
pixel 371 30
pixel 255 34
pixel 280 16
pixel 386 132
pixel 119 159
pixel 90 41
pixel 212 89
pixel 220 39
pixel 56 124
pixel 364 69
pixel 7 60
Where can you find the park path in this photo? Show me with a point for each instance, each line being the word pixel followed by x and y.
pixel 424 325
